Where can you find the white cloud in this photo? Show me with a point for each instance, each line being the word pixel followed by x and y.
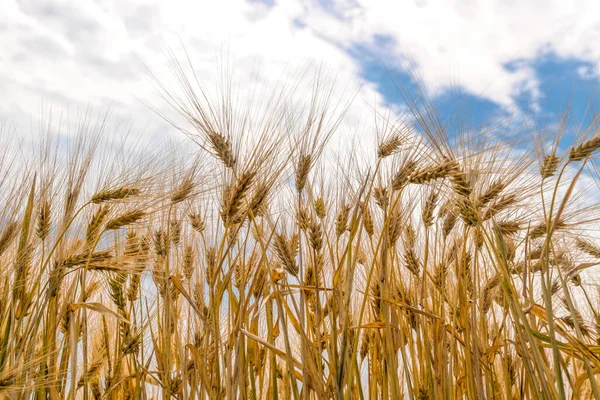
pixel 80 52
pixel 470 41
pixel 73 53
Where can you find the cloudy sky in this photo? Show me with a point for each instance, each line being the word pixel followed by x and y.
pixel 495 58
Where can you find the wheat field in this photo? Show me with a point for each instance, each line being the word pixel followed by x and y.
pixel 445 264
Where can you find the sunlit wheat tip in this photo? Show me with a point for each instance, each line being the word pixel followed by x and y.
pixel 341 220
pixel 8 234
pixel 114 194
pixel 500 205
pixel 175 232
pixel 316 236
pixel 549 166
pixel 585 149
pixel 42 228
pixel 188 262
pixel 588 247
pixel 402 177
pixel 459 180
pixel 394 227
pixel 286 251
pixel 428 208
pixel 320 208
pixel 508 227
pixel 303 219
pixel 381 196
pixel 234 195
pixel 93 227
pixel 367 219
pixel 258 202
pixel 542 228
pixel 79 259
pixel 125 219
pixel 449 222
pixel 183 191
pixel 389 146
pixel 431 173
pixel 211 265
pixel 197 222
pixel 412 263
pixel 492 192
pixel 222 148
pixel 302 170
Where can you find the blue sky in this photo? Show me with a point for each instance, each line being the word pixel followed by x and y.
pixel 565 85
pixel 486 60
